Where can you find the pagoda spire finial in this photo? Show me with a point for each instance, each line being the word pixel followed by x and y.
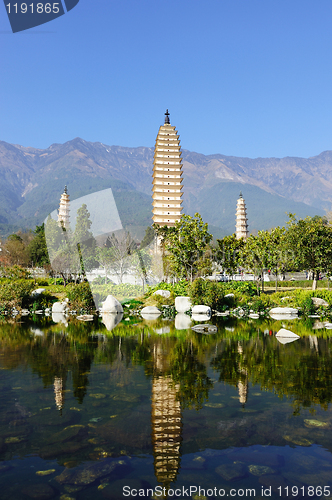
pixel 65 190
pixel 167 120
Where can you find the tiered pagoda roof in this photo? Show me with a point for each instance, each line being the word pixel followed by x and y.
pixel 167 176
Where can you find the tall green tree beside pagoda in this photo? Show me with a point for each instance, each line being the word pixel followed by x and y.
pixel 187 247
pixel 310 241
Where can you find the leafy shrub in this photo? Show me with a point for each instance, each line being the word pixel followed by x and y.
pixel 14 272
pixel 15 293
pixel 307 306
pixel 180 289
pixel 100 280
pixel 80 297
pixel 209 293
pixel 132 304
pixel 124 291
pixel 55 281
pixel 159 301
pixel 248 288
pixel 41 301
pixel 42 281
pixel 258 304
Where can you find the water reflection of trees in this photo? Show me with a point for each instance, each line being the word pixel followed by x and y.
pixel 301 371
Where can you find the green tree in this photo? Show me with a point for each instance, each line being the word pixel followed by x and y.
pixel 55 236
pixel 187 246
pixel 63 253
pixel 16 251
pixel 267 250
pixel 228 253
pixel 37 248
pixel 310 241
pixel 85 240
pixel 279 256
pixel 141 262
pixel 254 255
pixel 148 237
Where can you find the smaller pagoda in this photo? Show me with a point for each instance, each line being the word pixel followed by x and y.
pixel 63 214
pixel 241 219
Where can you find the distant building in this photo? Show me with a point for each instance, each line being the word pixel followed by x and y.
pixel 167 176
pixel 241 219
pixel 63 214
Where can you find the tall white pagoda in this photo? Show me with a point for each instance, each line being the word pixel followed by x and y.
pixel 63 213
pixel 167 176
pixel 241 219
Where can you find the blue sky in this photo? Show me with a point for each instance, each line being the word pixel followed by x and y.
pixel 240 77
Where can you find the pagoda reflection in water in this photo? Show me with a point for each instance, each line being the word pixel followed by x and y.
pixel 166 421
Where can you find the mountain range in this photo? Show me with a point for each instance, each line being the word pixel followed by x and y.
pixel 33 180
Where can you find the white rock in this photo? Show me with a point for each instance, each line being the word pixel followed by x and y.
pixel 150 310
pixel 286 336
pixel 328 326
pixel 164 329
pixel 85 317
pixel 318 325
pixel 254 315
pixel 164 293
pixel 111 305
pixel 59 317
pixel 283 333
pixel 200 317
pixel 285 340
pixel 182 304
pixel 279 317
pixel 59 307
pixel 319 302
pixel 229 295
pixel 200 309
pixel 111 320
pixel 37 332
pixel 226 313
pixel 37 292
pixel 202 328
pixel 284 310
pixel 182 321
pixel 150 317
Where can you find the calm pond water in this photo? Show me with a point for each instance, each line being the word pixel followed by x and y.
pixel 91 414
